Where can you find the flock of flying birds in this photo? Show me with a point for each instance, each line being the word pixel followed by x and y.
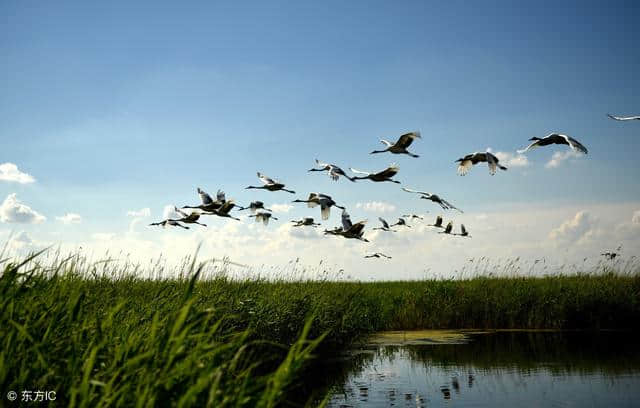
pixel 222 207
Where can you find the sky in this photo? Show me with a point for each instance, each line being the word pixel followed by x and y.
pixel 111 112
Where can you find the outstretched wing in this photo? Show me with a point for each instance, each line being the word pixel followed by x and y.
pixel 531 146
pixel 266 180
pixel 623 118
pixel 321 164
pixel 450 206
pixel 358 171
pixel 325 211
pixel 464 166
pixel 179 211
pixel 389 171
pixel 406 139
pixel 408 190
pixel 221 196
pixel 575 145
pixel 204 197
pixel 492 162
pixel 463 229
pixel 384 222
pixel 346 220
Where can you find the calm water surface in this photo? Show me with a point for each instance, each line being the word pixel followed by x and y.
pixel 499 369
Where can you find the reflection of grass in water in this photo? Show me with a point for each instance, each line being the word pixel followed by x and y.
pixel 101 333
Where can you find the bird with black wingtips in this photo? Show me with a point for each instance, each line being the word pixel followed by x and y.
pixel 207 203
pixel 470 160
pixel 413 216
pixel 435 198
pixel 270 184
pixel 264 217
pixel 401 145
pixel 438 223
pixel 191 218
pixel 463 232
pixel 224 210
pixel 348 229
pixel 168 222
pixel 332 170
pixel 305 222
pixel 254 206
pixel 447 229
pixel 377 255
pixel 555 138
pixel 401 222
pixel 323 200
pixel 381 176
pixel 385 225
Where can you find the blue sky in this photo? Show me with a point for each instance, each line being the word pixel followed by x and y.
pixel 118 107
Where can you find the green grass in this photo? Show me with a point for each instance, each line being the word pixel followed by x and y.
pixel 101 335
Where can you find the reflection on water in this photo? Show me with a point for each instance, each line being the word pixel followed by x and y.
pixel 503 369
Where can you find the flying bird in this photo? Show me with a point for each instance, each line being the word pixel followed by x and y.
pixel 255 205
pixel 307 221
pixel 332 170
pixel 224 210
pixel 555 138
pixel 172 223
pixel 413 216
pixel 270 184
pixel 400 146
pixel 401 222
pixel 385 225
pixel 433 197
pixel 623 118
pixel 472 159
pixel 447 229
pixel 463 232
pixel 438 223
pixel 384 175
pixel 207 203
pixel 264 217
pixel 377 255
pixel 348 229
pixel 324 201
pixel 191 218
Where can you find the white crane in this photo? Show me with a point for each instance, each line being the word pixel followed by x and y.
pixel 306 221
pixel 623 118
pixel 555 138
pixel 224 210
pixel 172 223
pixel 207 203
pixel 348 229
pixel 377 255
pixel 270 184
pixel 433 197
pixel 254 206
pixel 332 170
pixel 385 225
pixel 400 146
pixel 413 216
pixel 472 159
pixel 264 217
pixel 324 201
pixel 384 175
pixel 191 218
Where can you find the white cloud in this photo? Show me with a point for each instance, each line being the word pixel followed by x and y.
pixel 635 219
pixel 376 206
pixel 12 210
pixel 21 240
pixel 574 229
pixel 281 208
pixel 103 236
pixel 70 218
pixel 143 212
pixel 512 159
pixel 10 172
pixel 559 157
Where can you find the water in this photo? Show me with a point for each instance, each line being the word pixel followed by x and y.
pixel 499 369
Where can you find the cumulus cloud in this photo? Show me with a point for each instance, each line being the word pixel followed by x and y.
pixel 512 159
pixel 574 229
pixel 376 206
pixel 10 172
pixel 143 212
pixel 559 157
pixel 281 208
pixel 12 210
pixel 70 218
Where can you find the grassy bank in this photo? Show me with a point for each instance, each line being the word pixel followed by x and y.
pixel 103 339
